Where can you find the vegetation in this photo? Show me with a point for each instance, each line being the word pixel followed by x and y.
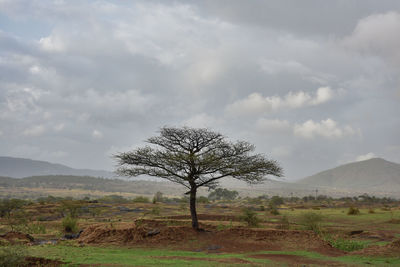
pixel 196 158
pixel 250 217
pixel 353 211
pixel 70 224
pixel 12 256
pixel 223 194
pixel 311 221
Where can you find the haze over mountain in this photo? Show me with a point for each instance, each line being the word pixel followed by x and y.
pixel 20 167
pixel 373 175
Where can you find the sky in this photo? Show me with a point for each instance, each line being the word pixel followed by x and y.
pixel 312 84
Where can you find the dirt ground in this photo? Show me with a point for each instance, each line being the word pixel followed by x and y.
pixel 391 249
pixel 238 239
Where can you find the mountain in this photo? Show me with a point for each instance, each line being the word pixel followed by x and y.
pixel 370 176
pixel 19 167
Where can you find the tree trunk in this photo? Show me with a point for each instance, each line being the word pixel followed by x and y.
pixel 193 213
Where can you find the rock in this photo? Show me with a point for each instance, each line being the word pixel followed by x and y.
pixel 73 236
pixel 356 232
pixel 153 232
pixel 214 247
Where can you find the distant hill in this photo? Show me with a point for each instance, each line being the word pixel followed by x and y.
pixel 373 175
pixel 69 182
pixel 19 167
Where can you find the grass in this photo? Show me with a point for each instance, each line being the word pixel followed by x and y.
pixel 348 259
pixel 73 255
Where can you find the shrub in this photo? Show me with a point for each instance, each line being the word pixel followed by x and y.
pixel 250 217
pixel 12 256
pixel 371 210
pixel 273 209
pixel 141 199
pixel 284 223
pixel 353 211
pixel 71 207
pixel 36 228
pixel 158 197
pixel 311 221
pixel 69 224
pixel 155 211
pixel 202 199
pixel 346 245
pixel 276 200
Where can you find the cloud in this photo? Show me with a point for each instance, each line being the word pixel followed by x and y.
pixel 202 120
pixel 256 103
pixel 282 151
pixel 34 131
pixel 275 125
pixel 367 156
pixel 377 34
pixel 52 43
pixel 97 134
pixel 326 128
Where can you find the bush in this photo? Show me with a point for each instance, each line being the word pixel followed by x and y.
pixel 273 209
pixel 12 256
pixel 284 223
pixel 36 228
pixel 155 211
pixel 346 245
pixel 311 221
pixel 353 211
pixel 69 224
pixel 141 199
pixel 202 199
pixel 371 210
pixel 276 200
pixel 250 217
pixel 71 207
pixel 158 197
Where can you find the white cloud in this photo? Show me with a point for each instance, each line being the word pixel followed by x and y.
pixel 256 103
pixel 202 120
pixel 275 125
pixel 326 128
pixel 97 134
pixel 1 133
pixel 367 156
pixel 52 43
pixel 34 131
pixel 377 34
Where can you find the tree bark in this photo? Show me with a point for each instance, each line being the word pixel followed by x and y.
pixel 193 213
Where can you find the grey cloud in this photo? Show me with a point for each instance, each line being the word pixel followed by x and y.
pixel 104 76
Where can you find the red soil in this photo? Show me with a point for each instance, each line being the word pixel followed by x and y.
pixel 228 240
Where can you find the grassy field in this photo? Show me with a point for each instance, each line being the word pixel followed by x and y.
pixel 73 255
pixel 116 234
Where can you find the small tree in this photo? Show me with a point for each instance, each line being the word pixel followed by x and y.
pixel 223 193
pixel 194 158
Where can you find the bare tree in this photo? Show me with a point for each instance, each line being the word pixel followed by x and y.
pixel 194 158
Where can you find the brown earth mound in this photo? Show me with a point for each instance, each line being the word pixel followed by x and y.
pixel 205 217
pixel 17 237
pixel 211 240
pixel 392 249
